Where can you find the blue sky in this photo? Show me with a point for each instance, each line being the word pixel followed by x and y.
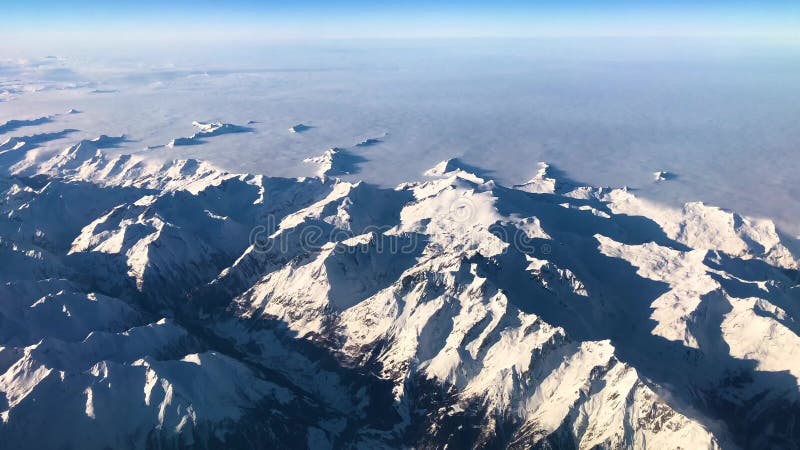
pixel 355 19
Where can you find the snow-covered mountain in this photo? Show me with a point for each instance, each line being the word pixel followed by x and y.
pixel 173 305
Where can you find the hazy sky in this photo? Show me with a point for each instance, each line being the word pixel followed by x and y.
pixel 32 22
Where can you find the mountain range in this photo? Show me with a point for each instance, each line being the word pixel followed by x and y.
pixel 171 305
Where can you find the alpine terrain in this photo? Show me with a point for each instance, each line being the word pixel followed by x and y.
pixel 173 305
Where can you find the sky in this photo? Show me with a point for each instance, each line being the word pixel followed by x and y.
pixel 29 22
